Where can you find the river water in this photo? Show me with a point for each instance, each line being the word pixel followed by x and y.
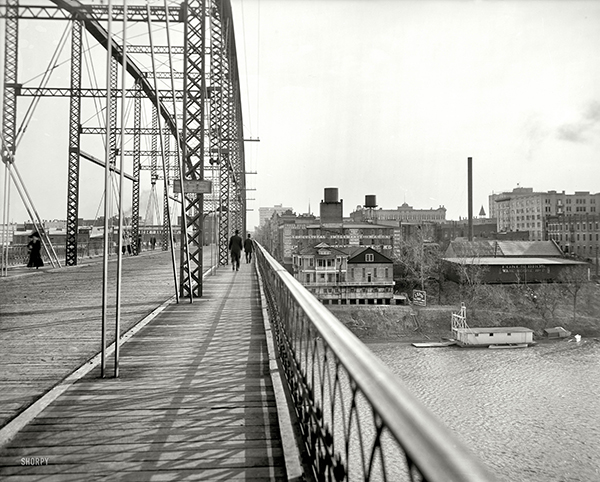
pixel 530 414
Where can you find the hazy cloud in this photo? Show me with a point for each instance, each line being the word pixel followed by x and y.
pixel 577 131
pixel 536 132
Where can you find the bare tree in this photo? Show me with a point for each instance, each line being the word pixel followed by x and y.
pixel 418 262
pixel 573 278
pixel 545 300
pixel 471 276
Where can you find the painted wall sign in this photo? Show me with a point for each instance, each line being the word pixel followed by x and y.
pixel 420 297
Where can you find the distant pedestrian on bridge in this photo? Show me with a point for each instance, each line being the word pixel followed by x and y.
pixel 235 246
pixel 35 247
pixel 248 248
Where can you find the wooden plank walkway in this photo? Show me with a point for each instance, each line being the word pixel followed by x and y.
pixel 50 319
pixel 194 401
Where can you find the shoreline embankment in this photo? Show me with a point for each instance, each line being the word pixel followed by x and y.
pixel 412 323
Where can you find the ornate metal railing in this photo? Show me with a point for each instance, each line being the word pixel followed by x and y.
pixel 357 420
pixel 18 254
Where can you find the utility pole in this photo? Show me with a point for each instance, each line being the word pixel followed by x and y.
pixel 422 259
pixel 470 195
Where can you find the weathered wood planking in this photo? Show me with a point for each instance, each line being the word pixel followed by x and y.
pixel 194 401
pixel 50 320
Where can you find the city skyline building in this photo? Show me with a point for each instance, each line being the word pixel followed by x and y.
pixel 524 209
pixel 266 213
pixel 404 213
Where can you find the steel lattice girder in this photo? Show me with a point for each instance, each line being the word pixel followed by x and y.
pixel 229 134
pixel 193 136
pixel 89 92
pixel 226 126
pixel 217 124
pixel 135 194
pixel 74 147
pixel 135 13
pixel 129 131
pixel 101 36
pixel 166 239
pixel 9 110
pixel 154 152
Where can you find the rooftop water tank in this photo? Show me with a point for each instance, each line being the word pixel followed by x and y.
pixel 370 201
pixel 331 194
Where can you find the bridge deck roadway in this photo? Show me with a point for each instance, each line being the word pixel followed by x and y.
pixel 194 399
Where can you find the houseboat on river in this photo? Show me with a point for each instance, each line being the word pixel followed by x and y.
pixel 492 337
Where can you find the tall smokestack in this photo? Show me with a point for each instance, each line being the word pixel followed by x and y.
pixel 470 195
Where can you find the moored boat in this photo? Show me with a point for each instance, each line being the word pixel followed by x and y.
pixel 492 337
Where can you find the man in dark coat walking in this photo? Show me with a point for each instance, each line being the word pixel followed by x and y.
pixel 248 248
pixel 235 246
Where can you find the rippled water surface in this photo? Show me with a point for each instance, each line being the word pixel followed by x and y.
pixel 530 414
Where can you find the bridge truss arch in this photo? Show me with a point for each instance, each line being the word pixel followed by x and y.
pixel 210 136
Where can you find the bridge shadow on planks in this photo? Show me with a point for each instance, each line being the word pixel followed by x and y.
pixel 193 401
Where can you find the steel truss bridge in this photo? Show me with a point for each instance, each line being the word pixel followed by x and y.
pixel 356 420
pixel 206 145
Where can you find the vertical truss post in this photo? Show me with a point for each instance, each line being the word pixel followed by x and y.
pixel 218 124
pixel 194 131
pixel 114 79
pixel 154 151
pixel 135 194
pixel 74 146
pixel 226 126
pixel 9 109
pixel 236 137
pixel 165 229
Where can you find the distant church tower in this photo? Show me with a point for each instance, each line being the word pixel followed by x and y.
pixel 482 212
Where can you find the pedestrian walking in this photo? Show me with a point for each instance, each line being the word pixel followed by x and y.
pixel 248 248
pixel 35 247
pixel 235 246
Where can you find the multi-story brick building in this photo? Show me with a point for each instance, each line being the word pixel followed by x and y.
pixel 345 275
pixel 404 214
pixel 578 234
pixel 266 213
pixel 526 210
pixel 287 233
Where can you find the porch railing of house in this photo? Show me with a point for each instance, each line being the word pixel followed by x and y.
pixel 356 418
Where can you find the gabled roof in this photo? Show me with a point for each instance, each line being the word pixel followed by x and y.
pixel 491 248
pixel 359 257
pixel 514 261
pixel 470 249
pixel 529 248
pixel 314 250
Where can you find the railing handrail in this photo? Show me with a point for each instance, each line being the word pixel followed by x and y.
pixel 435 450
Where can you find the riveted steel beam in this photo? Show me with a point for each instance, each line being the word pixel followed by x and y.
pixel 135 193
pixel 194 131
pixel 135 13
pixel 86 92
pixel 9 108
pixel 74 146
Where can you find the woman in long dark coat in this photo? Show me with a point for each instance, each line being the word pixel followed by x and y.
pixel 35 248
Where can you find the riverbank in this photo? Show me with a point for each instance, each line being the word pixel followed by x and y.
pixel 412 323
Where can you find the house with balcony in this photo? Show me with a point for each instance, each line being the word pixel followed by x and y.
pixel 345 275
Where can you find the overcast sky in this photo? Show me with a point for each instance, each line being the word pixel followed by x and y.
pixel 382 97
pixel 391 97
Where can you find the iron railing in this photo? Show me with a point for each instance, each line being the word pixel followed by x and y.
pixel 18 254
pixel 356 418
